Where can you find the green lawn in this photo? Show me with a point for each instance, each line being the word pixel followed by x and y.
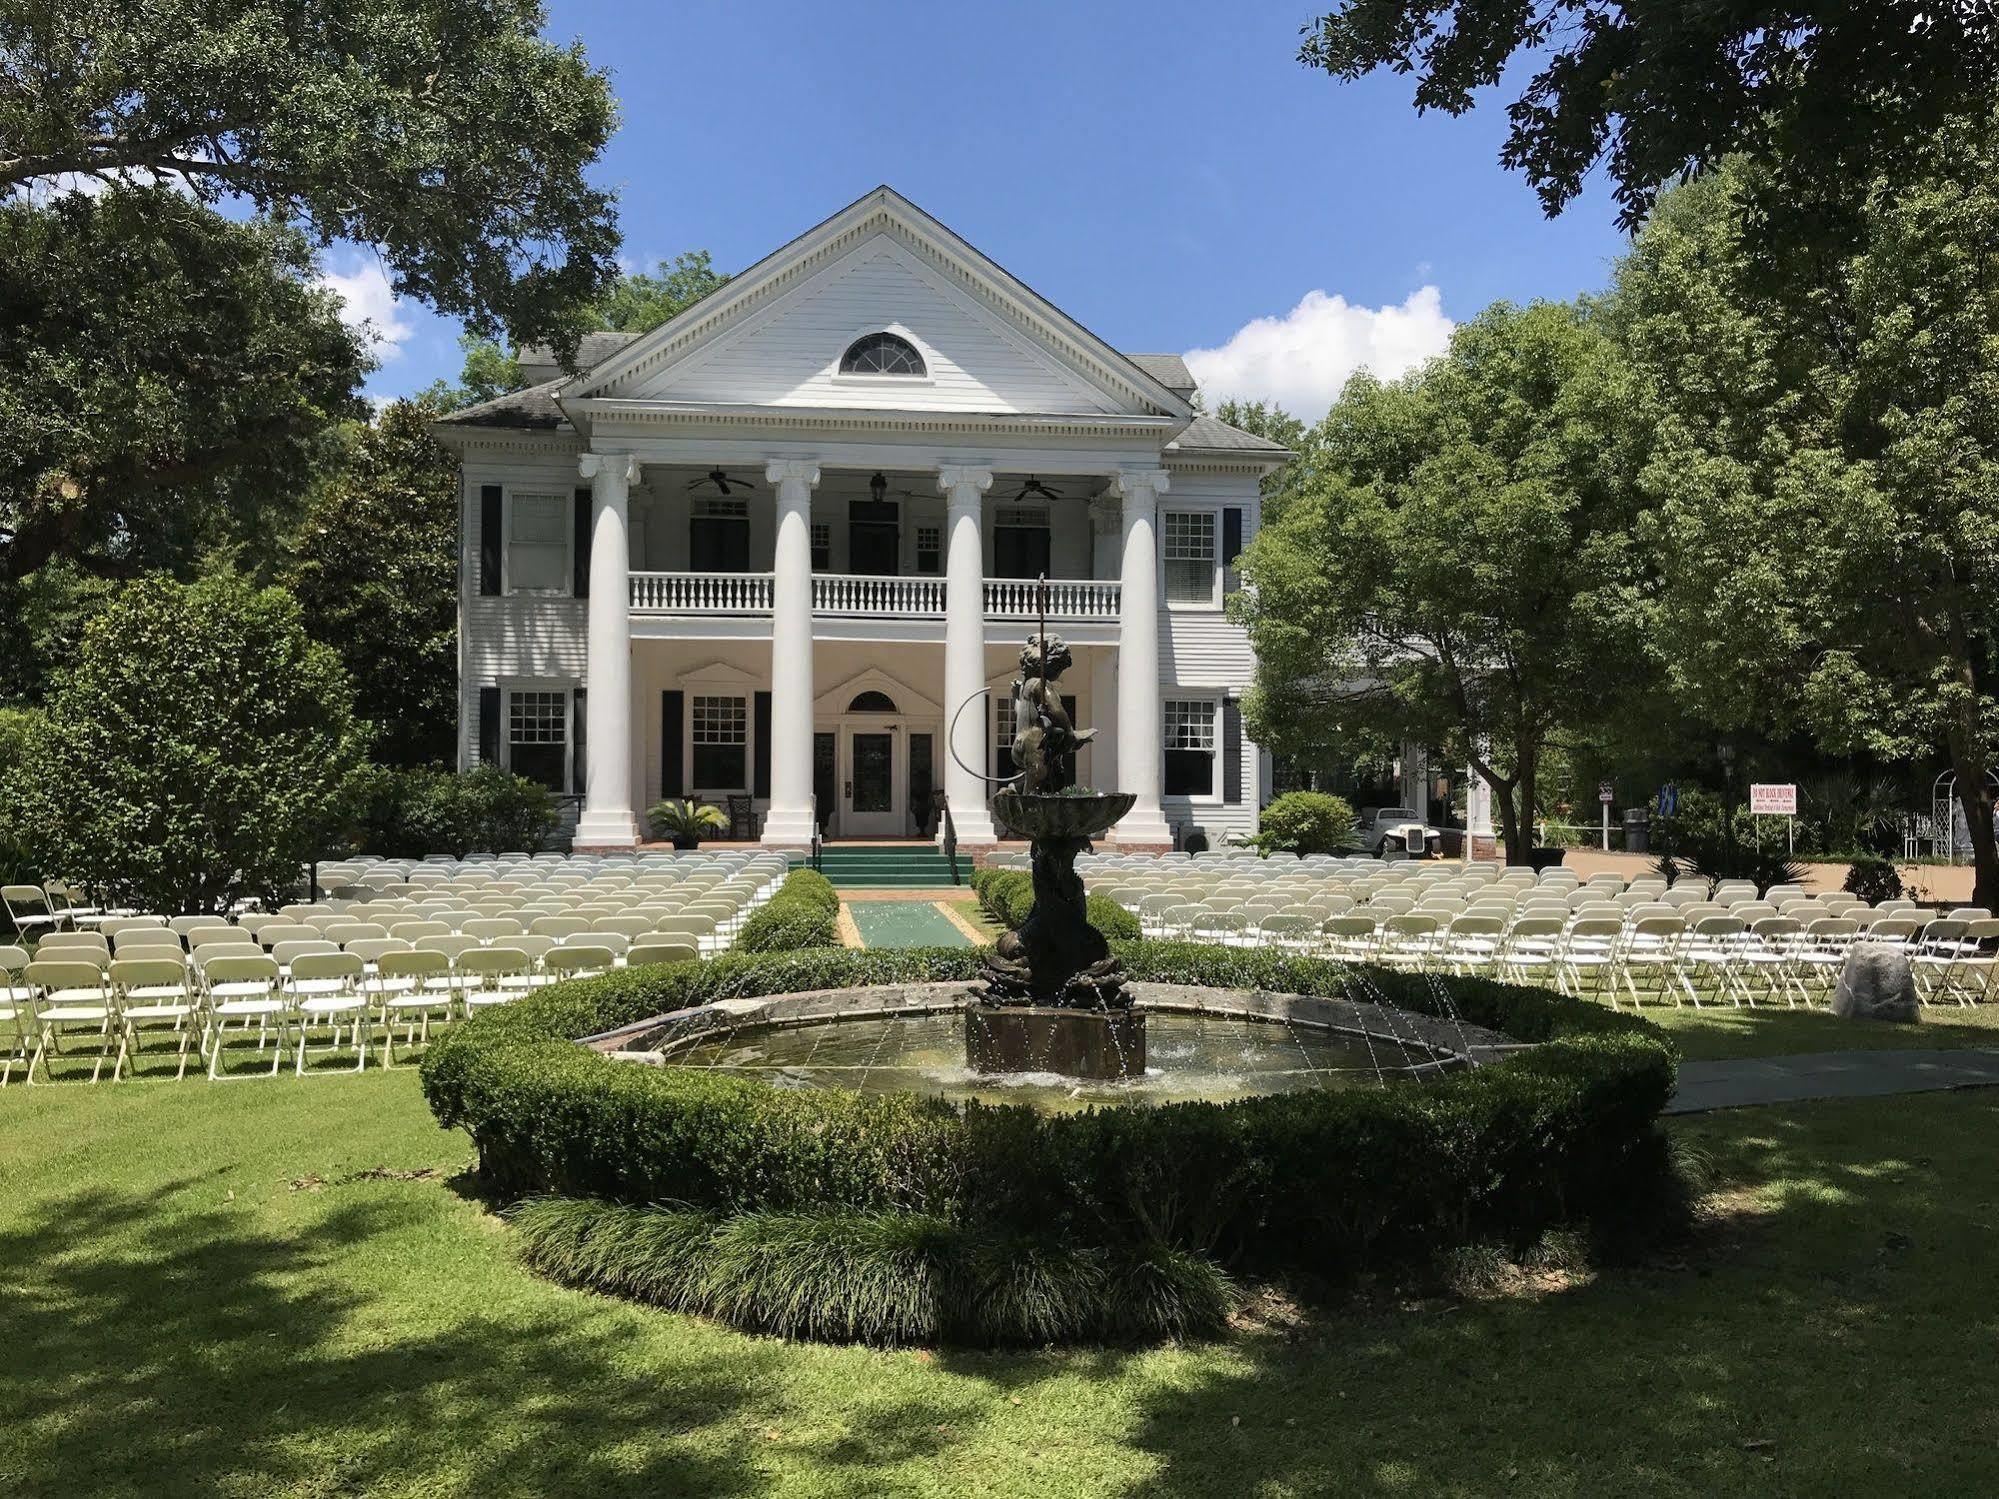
pixel 1722 1030
pixel 259 1288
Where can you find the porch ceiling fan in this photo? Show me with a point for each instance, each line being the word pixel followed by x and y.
pixel 1036 488
pixel 722 482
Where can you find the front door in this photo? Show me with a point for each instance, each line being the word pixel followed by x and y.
pixel 873 540
pixel 872 803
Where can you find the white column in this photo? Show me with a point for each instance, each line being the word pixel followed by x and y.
pixel 788 822
pixel 607 820
pixel 965 652
pixel 1141 729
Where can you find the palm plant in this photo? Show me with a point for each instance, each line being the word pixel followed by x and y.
pixel 684 823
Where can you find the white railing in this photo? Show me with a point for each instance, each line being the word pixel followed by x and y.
pixel 866 597
pixel 878 597
pixel 701 593
pixel 1068 598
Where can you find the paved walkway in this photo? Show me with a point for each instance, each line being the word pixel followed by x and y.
pixel 1748 1081
pixel 905 923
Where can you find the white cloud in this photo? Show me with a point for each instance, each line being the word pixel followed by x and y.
pixel 369 305
pixel 1301 360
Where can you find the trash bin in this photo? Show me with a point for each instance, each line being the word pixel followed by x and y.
pixel 1637 830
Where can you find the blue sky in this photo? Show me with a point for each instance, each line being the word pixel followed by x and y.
pixel 1167 173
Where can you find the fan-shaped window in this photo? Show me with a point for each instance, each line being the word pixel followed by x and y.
pixel 881 354
pixel 872 702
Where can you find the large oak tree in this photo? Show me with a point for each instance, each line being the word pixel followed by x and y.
pixel 1824 481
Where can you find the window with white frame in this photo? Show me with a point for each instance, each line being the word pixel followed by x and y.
pixel 1187 543
pixel 1190 746
pixel 539 529
pixel 822 547
pixel 929 549
pixel 1003 765
pixel 721 739
pixel 538 737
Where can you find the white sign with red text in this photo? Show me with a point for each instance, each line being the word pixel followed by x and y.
pixel 1774 800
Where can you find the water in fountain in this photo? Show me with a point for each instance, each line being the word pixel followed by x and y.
pixel 1192 1054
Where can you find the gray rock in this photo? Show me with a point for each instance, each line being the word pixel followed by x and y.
pixel 1875 984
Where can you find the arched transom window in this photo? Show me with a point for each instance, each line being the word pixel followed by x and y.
pixel 881 354
pixel 872 702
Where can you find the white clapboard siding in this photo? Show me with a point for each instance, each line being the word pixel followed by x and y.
pixel 790 355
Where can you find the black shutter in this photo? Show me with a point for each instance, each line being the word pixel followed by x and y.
pixel 489 538
pixel 1065 768
pixel 579 725
pixel 489 725
pixel 1231 546
pixel 581 582
pixel 672 762
pixel 760 775
pixel 1231 751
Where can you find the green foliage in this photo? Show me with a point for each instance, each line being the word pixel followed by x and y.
pixel 167 377
pixel 1823 468
pixel 1717 842
pixel 1333 1181
pixel 18 864
pixel 803 913
pixel 1458 565
pixel 1008 895
pixel 1656 94
pixel 425 810
pixel 201 748
pixel 453 139
pixel 882 1278
pixel 374 565
pixel 1873 879
pixel 687 821
pixel 642 300
pixel 1306 822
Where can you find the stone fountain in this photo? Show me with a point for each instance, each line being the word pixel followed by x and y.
pixel 1054 997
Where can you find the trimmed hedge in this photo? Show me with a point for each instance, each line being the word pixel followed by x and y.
pixel 1008 895
pixel 1329 1181
pixel 805 912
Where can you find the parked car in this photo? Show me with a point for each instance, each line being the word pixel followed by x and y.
pixel 1398 833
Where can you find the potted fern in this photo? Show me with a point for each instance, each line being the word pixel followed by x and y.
pixel 684 824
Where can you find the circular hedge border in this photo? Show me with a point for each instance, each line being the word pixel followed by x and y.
pixel 889 1217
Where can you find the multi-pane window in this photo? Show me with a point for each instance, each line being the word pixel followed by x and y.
pixel 719 537
pixel 822 547
pixel 929 549
pixel 1187 542
pixel 538 532
pixel 881 354
pixel 1190 747
pixel 538 737
pixel 1003 765
pixel 720 743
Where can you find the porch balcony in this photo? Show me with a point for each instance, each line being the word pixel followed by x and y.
pixel 861 596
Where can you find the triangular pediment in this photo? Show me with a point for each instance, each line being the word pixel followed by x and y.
pixel 774 336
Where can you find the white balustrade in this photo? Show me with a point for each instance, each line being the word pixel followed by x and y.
pixel 1068 598
pixel 701 593
pixel 868 597
pixel 877 597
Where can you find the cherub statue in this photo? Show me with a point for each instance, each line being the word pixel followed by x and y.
pixel 1043 734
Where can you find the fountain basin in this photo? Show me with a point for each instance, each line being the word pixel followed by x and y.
pixel 1201 1045
pixel 1040 815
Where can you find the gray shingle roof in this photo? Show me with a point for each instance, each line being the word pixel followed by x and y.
pixel 530 409
pixel 1208 434
pixel 1170 370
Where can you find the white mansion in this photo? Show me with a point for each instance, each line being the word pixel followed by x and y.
pixel 764 554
